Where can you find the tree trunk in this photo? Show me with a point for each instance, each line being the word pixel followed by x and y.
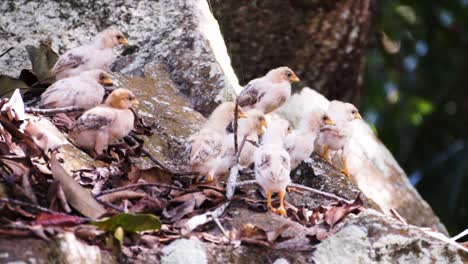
pixel 323 41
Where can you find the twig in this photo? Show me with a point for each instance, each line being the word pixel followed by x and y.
pixel 220 226
pixel 319 192
pixel 302 187
pixel 234 126
pixel 253 143
pixel 33 206
pixel 8 50
pixel 202 219
pixel 108 205
pixel 53 111
pixel 234 172
pixel 137 185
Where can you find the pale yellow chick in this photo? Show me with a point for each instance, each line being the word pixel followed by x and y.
pixel 336 138
pixel 300 143
pixel 251 127
pixel 209 154
pixel 269 92
pixel 96 55
pixel 105 124
pixel 84 90
pixel 273 164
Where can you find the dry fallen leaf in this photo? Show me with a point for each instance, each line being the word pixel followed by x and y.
pixel 337 213
pixel 76 195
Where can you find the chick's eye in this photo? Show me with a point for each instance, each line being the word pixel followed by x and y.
pixel 289 74
pixel 119 37
pixel 130 98
pixel 324 118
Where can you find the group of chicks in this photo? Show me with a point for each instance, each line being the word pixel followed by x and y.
pixel 272 147
pixel 81 77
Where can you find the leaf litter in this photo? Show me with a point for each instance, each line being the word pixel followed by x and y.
pixel 118 200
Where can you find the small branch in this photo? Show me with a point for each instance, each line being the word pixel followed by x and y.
pixel 253 143
pixel 220 226
pixel 116 208
pixel 234 126
pixel 234 172
pixel 33 206
pixel 305 188
pixel 8 50
pixel 202 219
pixel 53 111
pixel 319 192
pixel 138 185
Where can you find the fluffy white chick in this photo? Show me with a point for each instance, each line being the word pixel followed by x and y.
pixel 209 155
pixel 273 164
pixel 84 90
pixel 106 123
pixel 96 55
pixel 300 143
pixel 251 127
pixel 269 92
pixel 336 138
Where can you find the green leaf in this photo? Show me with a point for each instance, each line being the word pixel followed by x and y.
pixel 42 60
pixel 129 222
pixel 9 84
pixel 407 13
pixel 119 235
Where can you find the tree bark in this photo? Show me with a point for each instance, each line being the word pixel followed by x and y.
pixel 323 41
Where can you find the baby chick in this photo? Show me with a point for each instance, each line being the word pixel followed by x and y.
pixel 97 55
pixel 209 154
pixel 273 164
pixel 336 137
pixel 84 90
pixel 105 124
pixel 300 143
pixel 251 127
pixel 269 92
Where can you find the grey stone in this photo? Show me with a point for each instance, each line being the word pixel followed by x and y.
pixel 183 251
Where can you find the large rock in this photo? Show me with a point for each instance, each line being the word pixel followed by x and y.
pixel 181 34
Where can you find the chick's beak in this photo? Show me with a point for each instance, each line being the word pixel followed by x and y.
pixel 107 81
pixel 241 114
pixel 294 78
pixel 263 126
pixel 357 116
pixel 329 122
pixel 123 41
pixel 135 103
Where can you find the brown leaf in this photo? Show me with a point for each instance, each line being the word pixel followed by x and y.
pixel 45 219
pixel 18 166
pixel 121 195
pixel 149 205
pixel 26 143
pixel 251 231
pixel 151 175
pixel 28 190
pixel 198 197
pixel 76 195
pixel 14 108
pixel 273 235
pixel 337 213
pixel 180 211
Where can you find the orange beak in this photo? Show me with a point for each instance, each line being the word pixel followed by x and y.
pixel 107 81
pixel 123 41
pixel 294 78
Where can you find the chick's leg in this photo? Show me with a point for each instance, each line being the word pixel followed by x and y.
pixel 270 207
pixel 281 210
pixel 345 165
pixel 324 154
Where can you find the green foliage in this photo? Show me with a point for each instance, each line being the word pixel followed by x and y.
pixel 129 223
pixel 42 60
pixel 416 98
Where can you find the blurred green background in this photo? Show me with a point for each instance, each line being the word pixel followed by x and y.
pixel 416 97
